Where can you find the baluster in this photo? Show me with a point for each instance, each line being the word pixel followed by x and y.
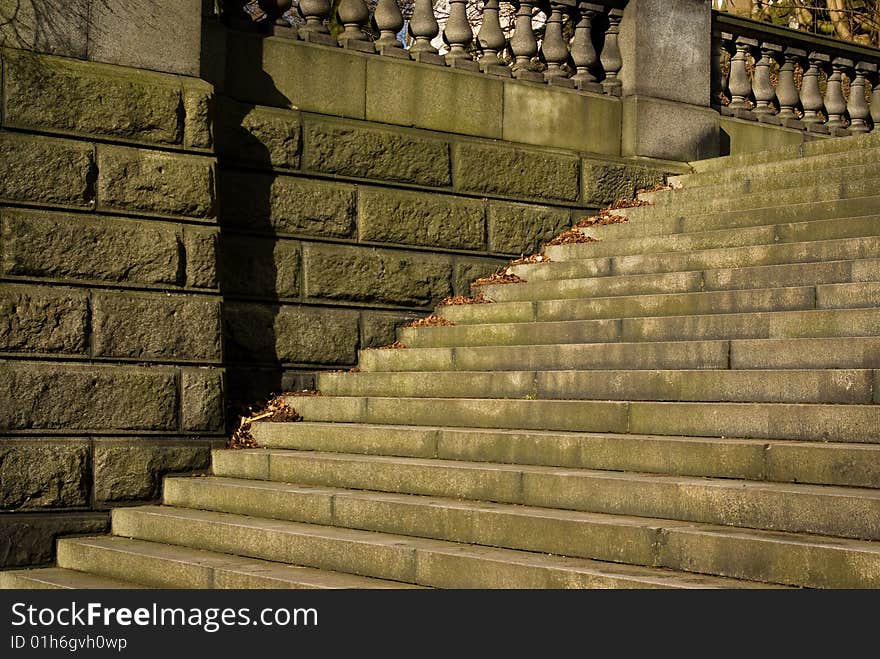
pixel 423 28
pixel 763 88
pixel 389 21
pixel 354 15
pixel 458 37
pixel 811 97
pixel 490 41
pixel 612 60
pixel 871 73
pixel 315 13
pixel 583 52
pixel 554 49
pixel 858 105
pixel 720 43
pixel 523 44
pixel 740 85
pixel 835 103
pixel 280 26
pixel 786 90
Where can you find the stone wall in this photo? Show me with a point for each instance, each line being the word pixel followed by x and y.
pixel 110 324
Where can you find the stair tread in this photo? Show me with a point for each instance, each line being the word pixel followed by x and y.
pixel 61 578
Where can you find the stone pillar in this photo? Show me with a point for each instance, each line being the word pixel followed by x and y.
pixel 160 35
pixel 666 47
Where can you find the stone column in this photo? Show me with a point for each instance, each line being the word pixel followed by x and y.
pixel 666 47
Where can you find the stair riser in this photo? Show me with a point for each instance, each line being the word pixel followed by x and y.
pixel 833 423
pixel 808 324
pixel 824 464
pixel 778 276
pixel 835 386
pixel 752 506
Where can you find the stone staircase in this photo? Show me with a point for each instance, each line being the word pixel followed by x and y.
pixel 690 403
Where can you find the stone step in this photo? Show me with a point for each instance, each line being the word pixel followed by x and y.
pixel 747 459
pixel 782 176
pixel 794 298
pixel 854 387
pixel 778 212
pixel 710 550
pixel 447 564
pixel 693 281
pixel 795 421
pixel 772 325
pixel 577 261
pixel 315 487
pixel 165 565
pixel 649 237
pixel 57 578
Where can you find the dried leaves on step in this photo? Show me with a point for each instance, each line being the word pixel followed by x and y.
pixel 502 276
pixel 276 410
pixel 534 258
pixel 397 345
pixel 600 221
pixel 431 321
pixel 571 237
pixel 459 300
pixel 626 203
pixel 661 187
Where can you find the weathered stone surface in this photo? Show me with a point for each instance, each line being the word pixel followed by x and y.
pixel 44 473
pixel 139 180
pixel 361 274
pixel 655 128
pixel 198 102
pixel 46 170
pixel 156 326
pixel 202 403
pixel 286 204
pixel 264 267
pixel 512 172
pixel 259 135
pixel 467 270
pixel 292 334
pixel 395 155
pixel 55 94
pixel 46 26
pixel 37 319
pixel 44 244
pixel 132 469
pixel 605 182
pixel 521 228
pixel 201 257
pixel 380 329
pixel 419 218
pixel 72 397
pixel 29 539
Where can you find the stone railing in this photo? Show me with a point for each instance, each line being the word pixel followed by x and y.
pixel 590 60
pixel 788 78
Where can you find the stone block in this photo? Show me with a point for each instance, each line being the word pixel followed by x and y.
pixel 468 269
pixel 522 228
pixel 73 397
pixel 156 326
pixel 46 26
pixel 132 469
pixel 142 181
pixel 419 218
pixel 161 35
pixel 199 116
pixel 46 170
pixel 202 401
pixel 260 266
pixel 360 274
pixel 351 149
pixel 201 257
pixel 44 473
pixel 288 205
pixel 43 320
pixel 656 128
pixel 510 171
pixel 605 182
pixel 28 539
pixel 380 329
pixel 46 244
pixel 460 102
pixel 258 135
pixel 53 94
pixel 552 117
pixel 249 336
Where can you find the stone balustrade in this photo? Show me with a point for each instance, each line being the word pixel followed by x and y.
pixel 788 78
pixel 589 59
